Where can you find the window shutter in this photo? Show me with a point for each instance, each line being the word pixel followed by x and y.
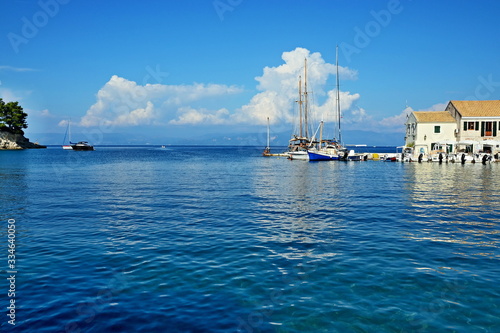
pixel 465 126
pixel 494 128
pixel 482 128
pixel 477 126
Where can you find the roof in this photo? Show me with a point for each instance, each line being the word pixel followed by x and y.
pixel 433 117
pixel 478 108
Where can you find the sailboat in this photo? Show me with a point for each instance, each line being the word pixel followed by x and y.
pixel 81 145
pixel 299 143
pixel 330 150
pixel 67 135
pixel 267 150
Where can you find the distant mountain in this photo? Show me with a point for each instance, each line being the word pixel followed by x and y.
pixel 281 139
pixel 223 139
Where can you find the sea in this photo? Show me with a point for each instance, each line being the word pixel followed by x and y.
pixel 221 239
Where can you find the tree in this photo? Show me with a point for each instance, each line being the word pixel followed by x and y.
pixel 12 117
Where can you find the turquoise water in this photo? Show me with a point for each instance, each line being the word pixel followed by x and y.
pixel 220 239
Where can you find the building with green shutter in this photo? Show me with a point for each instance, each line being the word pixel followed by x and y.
pixel 468 125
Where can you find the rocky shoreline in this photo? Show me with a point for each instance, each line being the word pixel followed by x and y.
pixel 10 141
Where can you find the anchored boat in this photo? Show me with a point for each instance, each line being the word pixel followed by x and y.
pixel 301 142
pixel 330 150
pixel 82 145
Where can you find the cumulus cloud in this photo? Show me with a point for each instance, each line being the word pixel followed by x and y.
pixel 192 116
pixel 121 102
pixel 279 89
pixel 396 122
pixel 46 114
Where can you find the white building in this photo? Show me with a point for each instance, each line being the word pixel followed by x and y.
pixel 426 128
pixel 472 125
pixel 476 120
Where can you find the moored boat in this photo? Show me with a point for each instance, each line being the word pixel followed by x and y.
pixel 82 145
pixel 298 155
pixel 391 157
pixel 323 155
pixel 301 142
pixel 267 150
pixel 68 136
pixel 332 150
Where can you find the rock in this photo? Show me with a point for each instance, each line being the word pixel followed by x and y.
pixel 16 141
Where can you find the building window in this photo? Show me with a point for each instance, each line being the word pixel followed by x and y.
pixel 470 126
pixel 437 129
pixel 488 128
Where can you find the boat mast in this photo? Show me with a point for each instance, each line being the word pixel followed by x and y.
pixel 305 98
pixel 68 133
pixel 320 135
pixel 338 93
pixel 300 106
pixel 268 134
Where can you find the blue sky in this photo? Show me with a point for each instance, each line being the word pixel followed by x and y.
pixel 162 69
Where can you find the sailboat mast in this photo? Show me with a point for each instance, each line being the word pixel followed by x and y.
pixel 268 143
pixel 306 106
pixel 338 93
pixel 320 135
pixel 300 106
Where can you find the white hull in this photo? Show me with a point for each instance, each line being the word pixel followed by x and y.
pixel 475 158
pixel 298 155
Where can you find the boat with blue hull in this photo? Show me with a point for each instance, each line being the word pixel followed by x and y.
pixel 330 150
pixel 322 156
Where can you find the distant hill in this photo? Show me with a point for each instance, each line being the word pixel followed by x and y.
pixel 229 139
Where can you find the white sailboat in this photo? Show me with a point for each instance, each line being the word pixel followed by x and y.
pixel 81 145
pixel 299 143
pixel 267 150
pixel 67 146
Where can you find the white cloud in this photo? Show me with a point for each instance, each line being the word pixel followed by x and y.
pixel 192 116
pixel 46 114
pixel 63 123
pixel 397 122
pixel 138 116
pixel 121 102
pixel 279 86
pixel 9 96
pixel 437 107
pixel 16 69
pixel 349 112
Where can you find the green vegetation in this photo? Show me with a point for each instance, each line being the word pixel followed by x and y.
pixel 12 117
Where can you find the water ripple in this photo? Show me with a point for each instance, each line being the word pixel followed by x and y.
pixel 221 240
